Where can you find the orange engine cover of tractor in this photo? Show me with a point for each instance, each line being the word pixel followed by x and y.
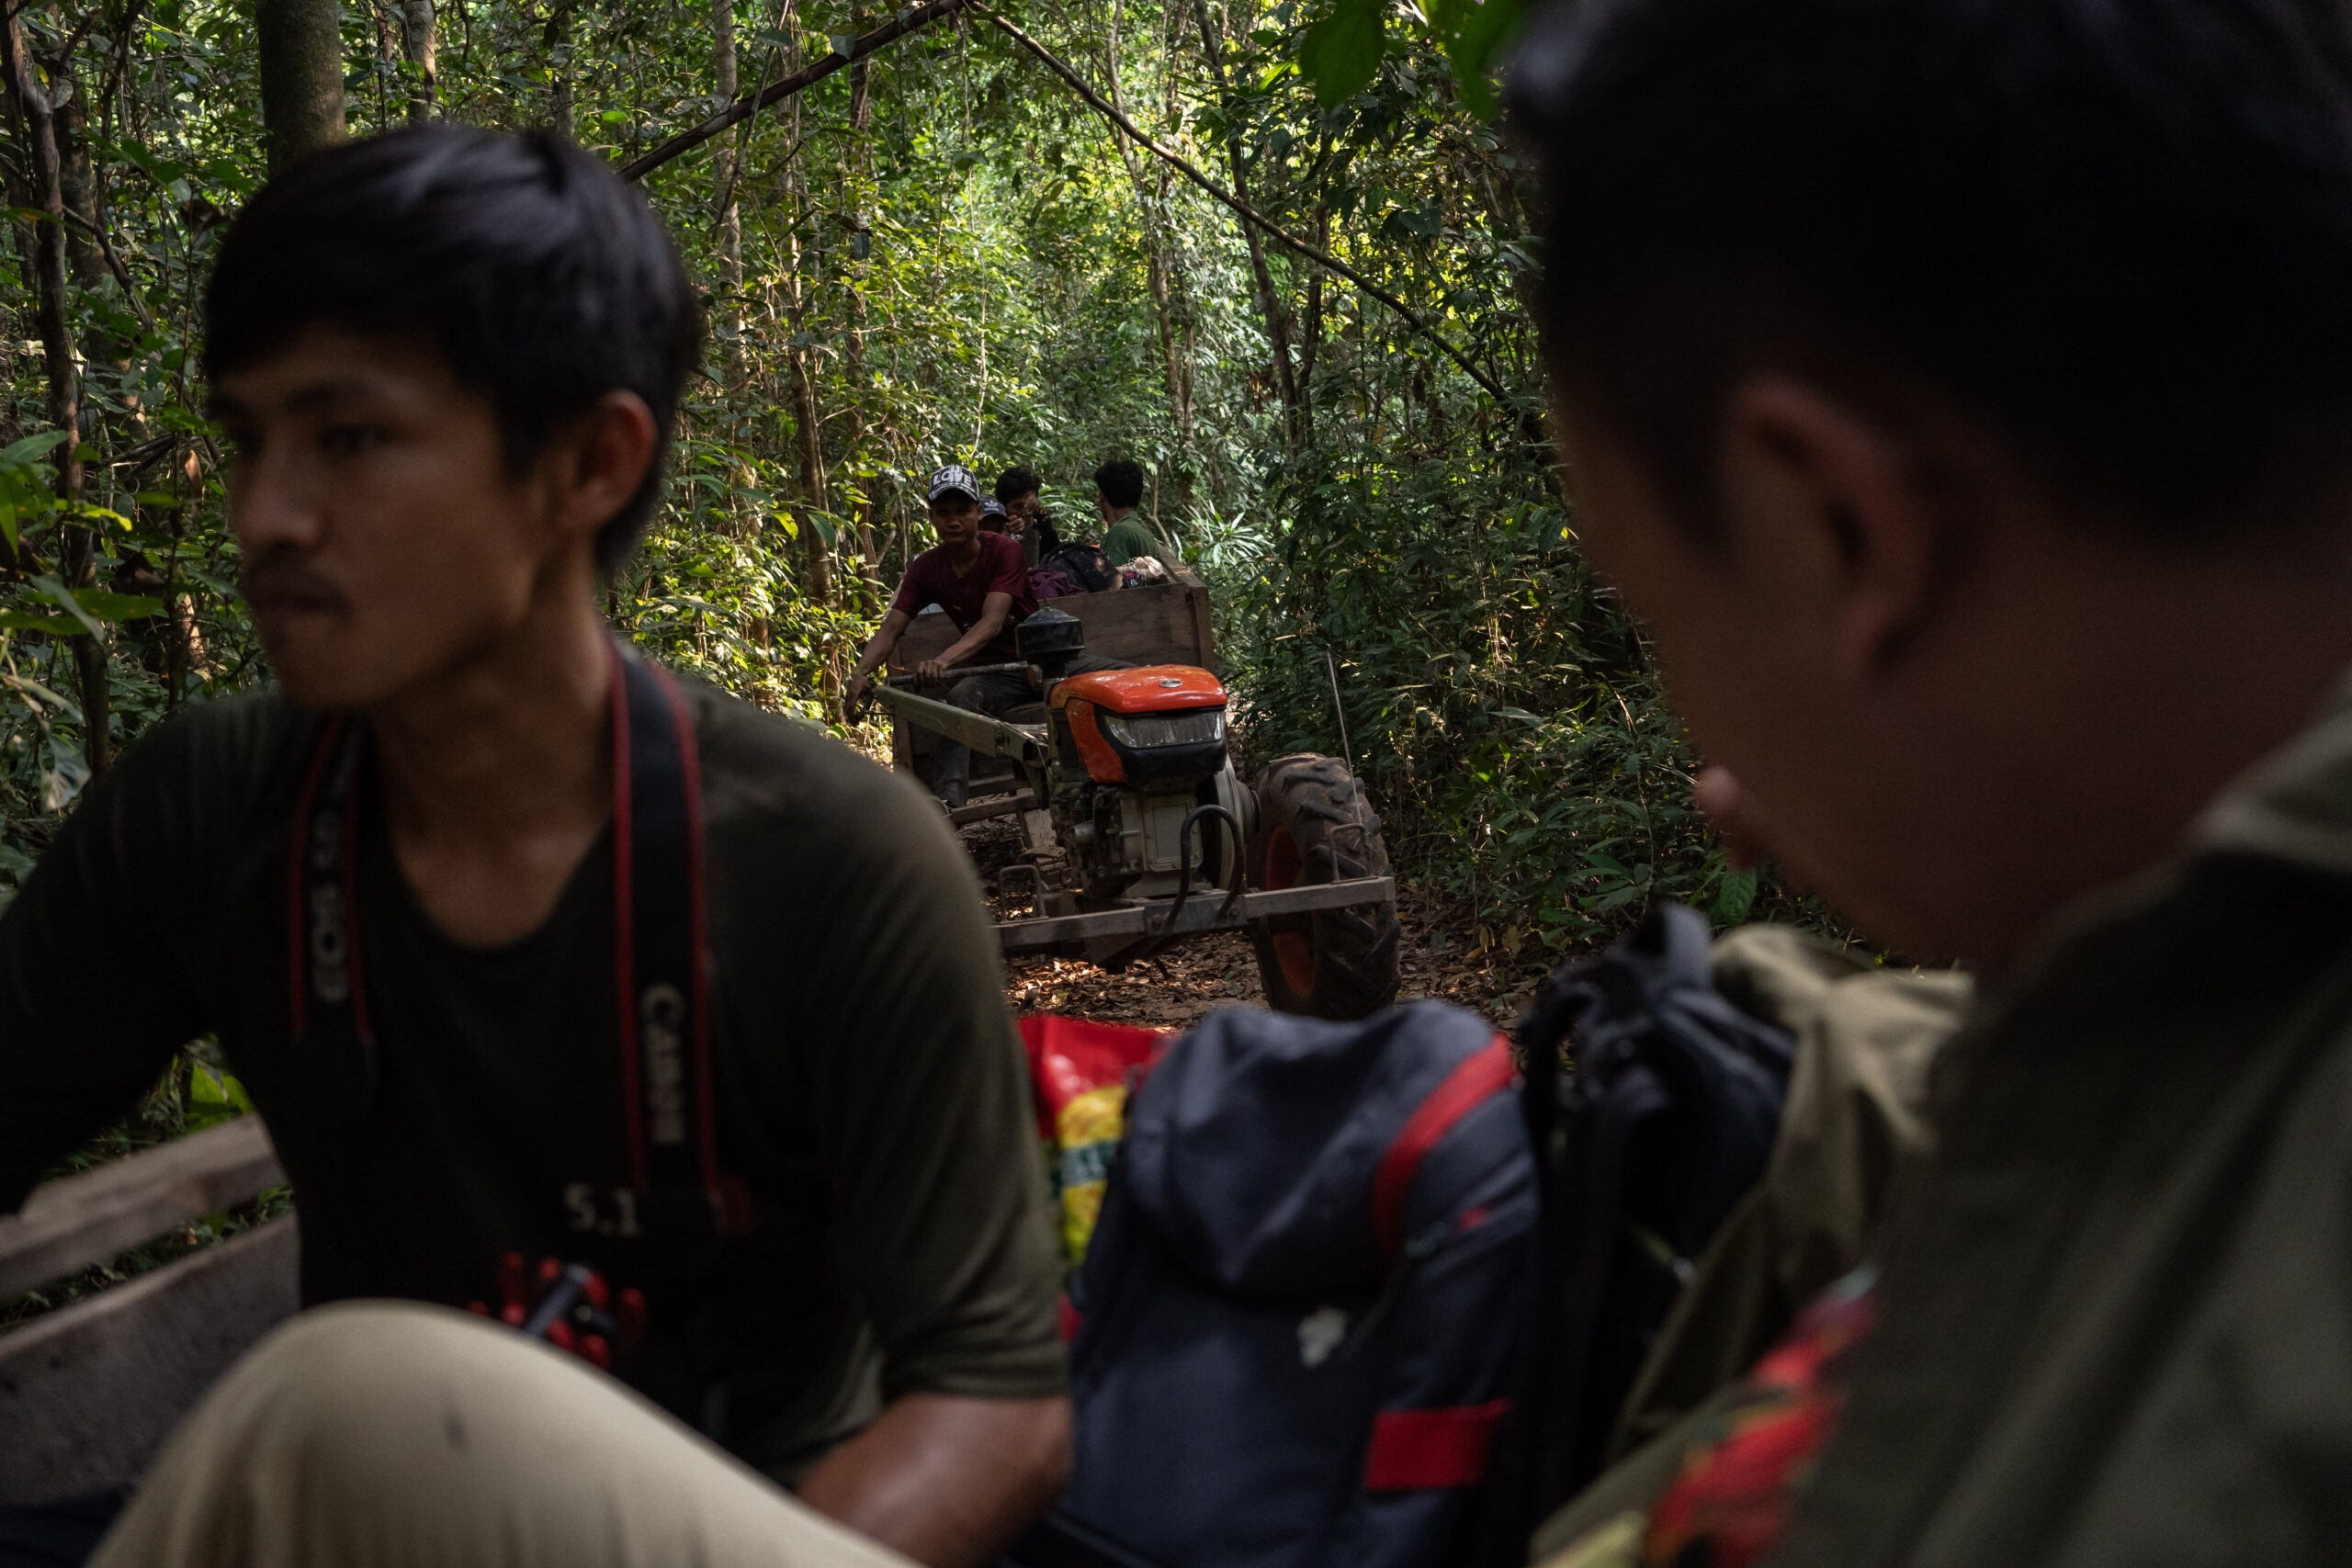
pixel 1154 688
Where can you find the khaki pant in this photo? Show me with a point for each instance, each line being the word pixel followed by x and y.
pixel 386 1433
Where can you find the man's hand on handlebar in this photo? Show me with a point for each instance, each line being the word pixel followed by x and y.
pixel 931 671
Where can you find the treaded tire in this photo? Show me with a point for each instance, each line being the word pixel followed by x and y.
pixel 1316 824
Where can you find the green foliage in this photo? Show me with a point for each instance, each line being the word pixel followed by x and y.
pixel 967 267
pixel 1474 34
pixel 1342 52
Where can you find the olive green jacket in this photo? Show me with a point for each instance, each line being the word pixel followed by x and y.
pixel 1855 1138
pixel 2116 1316
pixel 2117 1327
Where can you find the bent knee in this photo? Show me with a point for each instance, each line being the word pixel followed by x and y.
pixel 372 1371
pixel 330 1349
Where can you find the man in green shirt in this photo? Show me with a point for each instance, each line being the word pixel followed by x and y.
pixel 522 948
pixel 1963 389
pixel 1118 491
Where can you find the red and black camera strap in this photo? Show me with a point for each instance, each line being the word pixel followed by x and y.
pixel 661 963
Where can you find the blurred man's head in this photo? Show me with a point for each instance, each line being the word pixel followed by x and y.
pixel 448 362
pixel 953 498
pixel 1118 485
pixel 1018 488
pixel 1956 384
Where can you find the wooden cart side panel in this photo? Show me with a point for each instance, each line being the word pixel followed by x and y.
pixel 87 1218
pixel 1204 633
pixel 1162 623
pixel 87 1394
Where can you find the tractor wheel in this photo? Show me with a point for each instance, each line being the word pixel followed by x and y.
pixel 1316 824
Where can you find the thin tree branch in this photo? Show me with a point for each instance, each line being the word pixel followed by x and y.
pixel 114 265
pixel 749 104
pixel 1319 257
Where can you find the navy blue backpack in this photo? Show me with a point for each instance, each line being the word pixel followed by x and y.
pixel 1303 1312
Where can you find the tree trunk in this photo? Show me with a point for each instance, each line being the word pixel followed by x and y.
pixel 557 40
pixel 77 182
pixel 1270 304
pixel 811 454
pixel 417 41
pixel 1311 339
pixel 801 386
pixel 868 506
pixel 724 171
pixel 1174 332
pixel 1175 338
pixel 65 390
pixel 853 356
pixel 301 45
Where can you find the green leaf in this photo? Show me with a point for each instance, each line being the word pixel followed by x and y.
pixel 25 621
pixel 1736 898
pixel 64 778
pixel 57 591
pixel 19 453
pixel 1342 53
pixel 119 606
pixel 214 1096
pixel 92 605
pixel 1474 33
pixel 34 689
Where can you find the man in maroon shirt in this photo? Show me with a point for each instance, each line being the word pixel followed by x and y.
pixel 981 581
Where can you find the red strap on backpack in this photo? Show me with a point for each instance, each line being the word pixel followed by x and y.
pixel 1429 1450
pixel 1477 1078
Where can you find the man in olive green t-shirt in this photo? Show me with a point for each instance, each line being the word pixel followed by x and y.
pixel 1118 491
pixel 417 893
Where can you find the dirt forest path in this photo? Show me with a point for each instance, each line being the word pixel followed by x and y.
pixel 1176 989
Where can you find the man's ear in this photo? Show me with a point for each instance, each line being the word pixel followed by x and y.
pixel 1838 497
pixel 601 461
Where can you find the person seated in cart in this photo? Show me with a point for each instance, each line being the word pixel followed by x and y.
pixel 980 581
pixel 524 948
pixel 1118 495
pixel 1018 491
pixel 1088 569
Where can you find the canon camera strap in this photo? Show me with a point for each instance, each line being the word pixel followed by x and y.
pixel 661 962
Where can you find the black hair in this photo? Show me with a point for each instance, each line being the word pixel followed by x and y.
pixel 1016 482
pixel 2117 234
pixel 1121 481
pixel 545 280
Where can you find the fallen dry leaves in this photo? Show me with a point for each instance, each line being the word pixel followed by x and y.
pixel 1439 958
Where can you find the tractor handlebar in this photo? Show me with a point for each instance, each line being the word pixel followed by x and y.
pixel 958 672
